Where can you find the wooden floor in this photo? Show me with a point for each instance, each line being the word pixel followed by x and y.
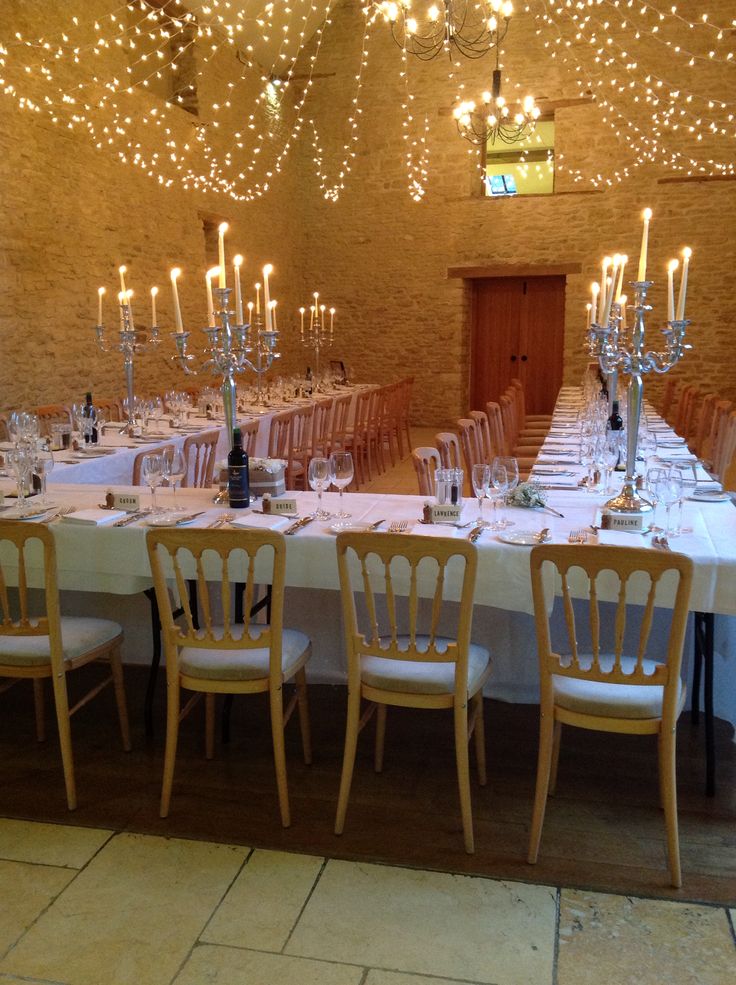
pixel 604 829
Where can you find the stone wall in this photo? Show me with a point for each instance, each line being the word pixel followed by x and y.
pixel 72 214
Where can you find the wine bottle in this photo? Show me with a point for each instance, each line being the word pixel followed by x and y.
pixel 614 421
pixel 238 488
pixel 90 412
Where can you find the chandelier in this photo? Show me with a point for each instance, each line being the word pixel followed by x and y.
pixel 493 120
pixel 471 27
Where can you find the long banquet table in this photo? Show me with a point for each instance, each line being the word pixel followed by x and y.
pixel 114 561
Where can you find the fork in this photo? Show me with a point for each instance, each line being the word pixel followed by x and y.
pixel 222 519
pixel 398 526
pixel 578 537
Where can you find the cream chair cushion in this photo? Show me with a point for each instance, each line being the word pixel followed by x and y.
pixel 612 700
pixel 244 665
pixel 416 677
pixel 78 636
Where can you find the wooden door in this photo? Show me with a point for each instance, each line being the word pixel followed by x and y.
pixel 518 328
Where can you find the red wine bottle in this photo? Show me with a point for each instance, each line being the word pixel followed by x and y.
pixel 238 486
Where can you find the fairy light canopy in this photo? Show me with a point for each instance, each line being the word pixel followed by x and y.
pixel 245 71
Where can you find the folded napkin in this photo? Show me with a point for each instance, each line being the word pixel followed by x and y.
pixel 94 517
pixel 262 522
pixel 621 538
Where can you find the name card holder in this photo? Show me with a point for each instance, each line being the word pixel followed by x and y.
pixel 281 507
pixel 446 513
pixel 626 522
pixel 130 502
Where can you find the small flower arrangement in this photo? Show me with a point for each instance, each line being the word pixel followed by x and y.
pixel 528 494
pixel 270 465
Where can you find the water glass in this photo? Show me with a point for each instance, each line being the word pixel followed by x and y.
pixel 42 466
pixel 152 473
pixel 500 482
pixel 342 472
pixel 320 478
pixel 174 471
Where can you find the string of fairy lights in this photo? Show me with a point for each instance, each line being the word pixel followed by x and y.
pixel 214 96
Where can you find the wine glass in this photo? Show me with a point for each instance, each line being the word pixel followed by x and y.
pixel 42 465
pixel 174 471
pixel 21 461
pixel 500 483
pixel 320 477
pixel 688 484
pixel 152 472
pixel 610 455
pixel 654 476
pixel 341 470
pixel 481 483
pixel 668 490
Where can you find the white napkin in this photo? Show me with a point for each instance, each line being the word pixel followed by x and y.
pixel 262 522
pixel 94 517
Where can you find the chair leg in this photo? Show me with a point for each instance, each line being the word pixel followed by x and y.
pixel 173 696
pixel 381 712
pixel 303 704
pixel 209 726
pixel 116 667
pixel 38 705
pixel 61 701
pixel 462 759
pixel 544 765
pixel 348 761
pixel 555 759
pixel 480 739
pixel 279 752
pixel 668 778
pixel 697 667
pixel 155 661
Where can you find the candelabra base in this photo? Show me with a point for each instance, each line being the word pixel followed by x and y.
pixel 628 501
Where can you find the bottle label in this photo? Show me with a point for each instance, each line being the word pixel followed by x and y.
pixel 237 486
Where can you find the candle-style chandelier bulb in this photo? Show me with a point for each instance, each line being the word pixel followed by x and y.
pixel 468 27
pixel 493 121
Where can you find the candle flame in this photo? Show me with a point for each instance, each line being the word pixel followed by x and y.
pixel 624 259
pixel 154 292
pixel 123 269
pixel 588 307
pixel 617 259
pixel 258 287
pixel 100 291
pixel 176 272
pixel 647 215
pixel 237 260
pixel 623 299
pixel 333 310
pixel 121 297
pixel 607 261
pixel 212 272
pixel 272 304
pixel 268 269
pixel 223 228
pixel 595 287
pixel 129 295
pixel 250 306
pixel 673 265
pixel 687 252
pixel 302 310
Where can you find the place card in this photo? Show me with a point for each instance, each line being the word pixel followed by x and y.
pixel 130 502
pixel 281 506
pixel 446 513
pixel 627 522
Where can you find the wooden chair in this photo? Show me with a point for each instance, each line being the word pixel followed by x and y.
pixel 705 419
pixel 684 409
pixel 725 452
pixel 167 450
pixel 357 436
pixel 249 432
pixel 200 454
pixel 484 433
pixel 608 689
pixel 471 443
pixel 404 425
pixel 222 657
pixel 51 645
pixel 448 446
pixel 321 423
pixel 110 409
pixel 425 460
pixel 538 422
pixel 340 419
pixel 279 435
pixel 300 446
pixel 49 414
pixel 414 666
pixel 668 397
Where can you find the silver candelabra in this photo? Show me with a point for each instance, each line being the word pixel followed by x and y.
pixel 229 350
pixel 618 353
pixel 133 342
pixel 318 337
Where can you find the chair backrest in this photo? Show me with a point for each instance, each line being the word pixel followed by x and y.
pixel 471 444
pixel 363 412
pixel 668 398
pixel 279 435
pixel 110 408
pixel 508 419
pixel 484 434
pixel 340 419
pixel 516 390
pixel 220 563
pixel 687 395
pixel 495 424
pixel 407 386
pixel 249 431
pixel 425 460
pixel 321 422
pixel 399 568
pixel 705 419
pixel 200 452
pixel 723 466
pixel 49 414
pixel 166 450
pixel 718 434
pixel 625 576
pixel 300 438
pixel 448 446
pixel 16 617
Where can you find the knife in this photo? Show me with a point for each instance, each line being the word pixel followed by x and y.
pixel 299 524
pixel 131 518
pixel 475 533
pixel 188 518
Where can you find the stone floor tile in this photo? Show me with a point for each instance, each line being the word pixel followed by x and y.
pixel 25 892
pixel 12 980
pixel 211 965
pixel 398 978
pixel 430 923
pixel 131 916
pixel 264 902
pixel 643 942
pixel 50 844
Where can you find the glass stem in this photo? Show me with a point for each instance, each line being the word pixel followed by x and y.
pixel 668 507
pixel 42 477
pixel 480 509
pixel 153 499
